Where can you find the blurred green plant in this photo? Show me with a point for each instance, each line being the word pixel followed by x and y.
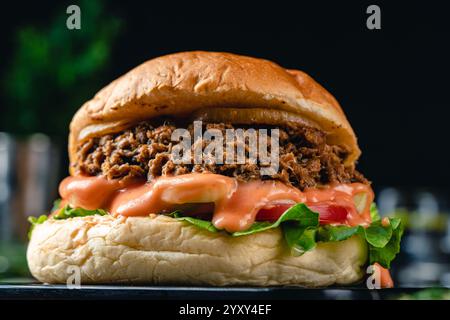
pixel 13 262
pixel 417 221
pixel 54 70
pixel 427 294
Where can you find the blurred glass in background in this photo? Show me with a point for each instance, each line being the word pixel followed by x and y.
pixel 425 256
pixel 28 183
pixel 51 72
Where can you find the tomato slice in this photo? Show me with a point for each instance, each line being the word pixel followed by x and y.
pixel 202 211
pixel 272 213
pixel 328 213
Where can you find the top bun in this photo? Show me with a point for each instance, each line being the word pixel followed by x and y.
pixel 182 83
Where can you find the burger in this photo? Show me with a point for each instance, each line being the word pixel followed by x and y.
pixel 150 198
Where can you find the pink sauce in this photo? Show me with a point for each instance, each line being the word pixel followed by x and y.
pixel 236 204
pixel 385 276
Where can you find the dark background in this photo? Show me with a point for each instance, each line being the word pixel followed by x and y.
pixel 392 83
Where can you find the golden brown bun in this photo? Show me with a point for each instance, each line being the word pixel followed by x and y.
pixel 162 250
pixel 181 83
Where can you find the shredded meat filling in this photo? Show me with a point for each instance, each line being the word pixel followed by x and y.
pixel 305 159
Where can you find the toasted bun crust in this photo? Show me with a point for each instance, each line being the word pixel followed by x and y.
pixel 162 250
pixel 181 83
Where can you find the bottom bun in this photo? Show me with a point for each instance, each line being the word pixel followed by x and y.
pixel 162 250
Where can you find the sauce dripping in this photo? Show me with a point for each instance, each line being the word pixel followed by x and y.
pixel 385 276
pixel 236 204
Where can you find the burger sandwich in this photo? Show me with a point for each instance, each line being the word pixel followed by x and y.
pixel 204 168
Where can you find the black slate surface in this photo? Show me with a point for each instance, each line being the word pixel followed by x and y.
pixel 103 292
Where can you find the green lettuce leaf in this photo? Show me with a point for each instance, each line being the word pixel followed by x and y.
pixel 202 224
pixel 329 233
pixel 300 239
pixel 385 254
pixel 302 231
pixel 377 235
pixel 298 223
pixel 299 226
pixel 383 241
pixel 56 205
pixel 294 221
pixel 69 212
pixel 64 213
pixel 34 221
pixel 374 212
pixel 299 216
